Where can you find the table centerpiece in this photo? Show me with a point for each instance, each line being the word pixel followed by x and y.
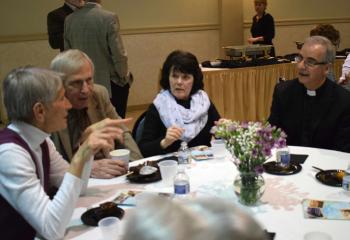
pixel 250 144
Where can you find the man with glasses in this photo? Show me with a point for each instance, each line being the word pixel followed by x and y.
pixel 312 110
pixel 90 104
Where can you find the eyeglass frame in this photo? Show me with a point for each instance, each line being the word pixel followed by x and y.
pixel 309 62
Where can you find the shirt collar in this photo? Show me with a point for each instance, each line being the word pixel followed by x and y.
pixel 32 135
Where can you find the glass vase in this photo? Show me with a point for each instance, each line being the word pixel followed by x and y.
pixel 249 187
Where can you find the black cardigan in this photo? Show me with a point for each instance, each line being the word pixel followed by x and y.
pixel 154 131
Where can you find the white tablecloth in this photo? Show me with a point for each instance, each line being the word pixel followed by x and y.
pixel 280 209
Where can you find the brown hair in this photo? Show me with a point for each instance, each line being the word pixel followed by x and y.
pixel 328 31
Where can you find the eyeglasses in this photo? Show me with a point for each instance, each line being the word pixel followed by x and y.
pixel 309 62
pixel 78 84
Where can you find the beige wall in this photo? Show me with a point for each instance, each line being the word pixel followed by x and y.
pixel 153 28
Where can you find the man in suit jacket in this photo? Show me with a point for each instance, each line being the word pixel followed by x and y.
pixel 55 22
pixel 90 104
pixel 95 31
pixel 312 110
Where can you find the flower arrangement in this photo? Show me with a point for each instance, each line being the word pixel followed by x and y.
pixel 249 142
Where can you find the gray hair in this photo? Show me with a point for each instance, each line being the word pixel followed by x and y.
pixel 69 62
pixel 323 41
pixel 210 219
pixel 23 87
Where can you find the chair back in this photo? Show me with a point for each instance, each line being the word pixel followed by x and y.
pixel 138 127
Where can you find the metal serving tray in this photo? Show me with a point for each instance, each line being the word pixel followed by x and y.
pixel 247 50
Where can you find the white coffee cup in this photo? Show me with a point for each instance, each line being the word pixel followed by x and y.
pixel 168 170
pixel 121 154
pixel 109 227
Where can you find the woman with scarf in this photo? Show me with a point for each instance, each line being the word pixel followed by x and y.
pixel 182 111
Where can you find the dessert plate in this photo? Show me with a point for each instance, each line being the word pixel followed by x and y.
pixel 331 177
pixel 136 177
pixel 276 169
pixel 93 215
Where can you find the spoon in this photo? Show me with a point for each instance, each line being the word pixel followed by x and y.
pixel 319 169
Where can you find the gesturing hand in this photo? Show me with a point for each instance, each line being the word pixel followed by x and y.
pixel 173 133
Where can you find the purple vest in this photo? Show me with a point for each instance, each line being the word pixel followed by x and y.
pixel 12 224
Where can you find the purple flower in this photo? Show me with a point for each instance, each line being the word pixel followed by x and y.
pixel 259 169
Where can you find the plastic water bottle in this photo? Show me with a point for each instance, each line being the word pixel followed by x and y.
pixel 181 183
pixel 184 154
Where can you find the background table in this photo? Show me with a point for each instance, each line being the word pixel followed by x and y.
pixel 280 210
pixel 245 94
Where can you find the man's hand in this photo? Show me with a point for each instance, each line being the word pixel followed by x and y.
pixel 108 168
pixel 106 125
pixel 173 133
pixel 98 136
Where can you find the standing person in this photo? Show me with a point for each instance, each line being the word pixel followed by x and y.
pixel 95 31
pixel 312 110
pixel 55 22
pixel 344 79
pixel 29 162
pixel 90 104
pixel 263 27
pixel 182 111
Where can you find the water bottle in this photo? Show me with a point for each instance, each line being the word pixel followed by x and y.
pixel 346 179
pixel 181 183
pixel 184 154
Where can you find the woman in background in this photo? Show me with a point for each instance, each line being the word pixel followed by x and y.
pixel 263 28
pixel 182 111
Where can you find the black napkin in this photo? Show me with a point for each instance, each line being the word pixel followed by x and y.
pixel 298 158
pixel 168 158
pixel 270 235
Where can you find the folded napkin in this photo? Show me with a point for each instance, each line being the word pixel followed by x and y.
pixel 298 158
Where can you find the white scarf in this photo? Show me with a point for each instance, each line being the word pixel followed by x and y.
pixel 192 120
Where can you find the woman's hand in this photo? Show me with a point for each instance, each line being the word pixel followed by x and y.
pixel 252 40
pixel 173 133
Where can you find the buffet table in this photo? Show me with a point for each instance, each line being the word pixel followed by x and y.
pixel 245 94
pixel 279 211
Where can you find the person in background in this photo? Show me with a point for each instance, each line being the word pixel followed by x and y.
pixel 29 162
pixel 210 219
pixel 312 110
pixel 55 22
pixel 96 32
pixel 182 111
pixel 263 27
pixel 332 34
pixel 90 104
pixel 344 79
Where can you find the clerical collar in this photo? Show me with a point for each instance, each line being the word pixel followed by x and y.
pixel 311 93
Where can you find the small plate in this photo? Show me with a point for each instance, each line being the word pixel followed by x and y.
pixel 332 177
pixel 93 215
pixel 276 169
pixel 136 177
